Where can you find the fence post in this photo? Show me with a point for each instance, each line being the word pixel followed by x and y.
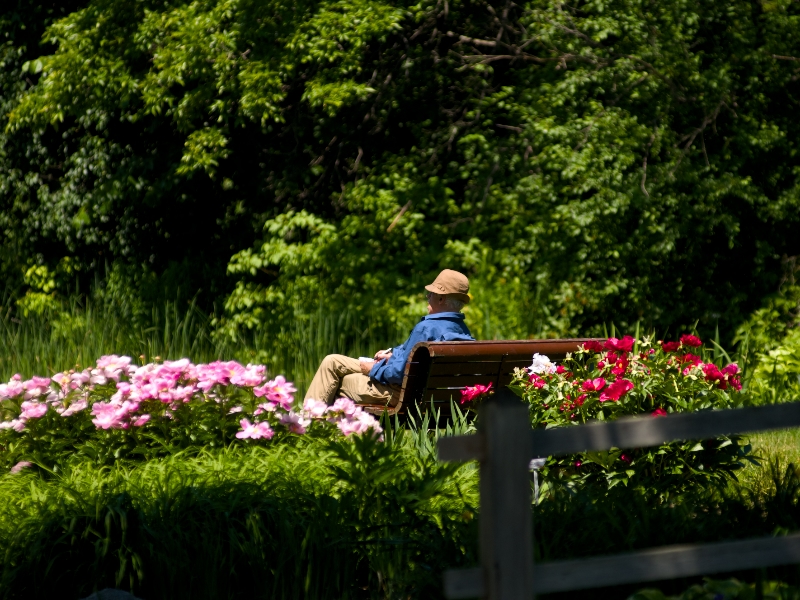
pixel 506 543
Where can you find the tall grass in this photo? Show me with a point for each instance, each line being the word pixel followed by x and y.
pixel 84 330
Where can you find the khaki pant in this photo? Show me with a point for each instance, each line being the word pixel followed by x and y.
pixel 340 375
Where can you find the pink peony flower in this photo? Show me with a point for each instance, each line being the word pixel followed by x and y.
pixel 251 376
pixel 294 422
pixel 74 407
pixel 12 389
pixel 314 408
pixel 254 431
pixel 140 421
pixel 15 424
pixel 35 387
pixel 279 391
pixel 344 406
pixel 32 410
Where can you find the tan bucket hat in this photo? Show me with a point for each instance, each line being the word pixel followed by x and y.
pixel 451 283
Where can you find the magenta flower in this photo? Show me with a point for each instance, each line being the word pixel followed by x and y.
pixel 617 345
pixel 690 340
pixel 616 390
pixel 594 385
pixel 659 412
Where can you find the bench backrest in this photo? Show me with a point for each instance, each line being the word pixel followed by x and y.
pixel 438 371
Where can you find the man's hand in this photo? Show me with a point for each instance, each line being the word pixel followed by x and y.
pixel 366 366
pixel 381 354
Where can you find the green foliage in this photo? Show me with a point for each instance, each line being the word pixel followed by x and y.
pixel 727 590
pixel 288 522
pixel 601 161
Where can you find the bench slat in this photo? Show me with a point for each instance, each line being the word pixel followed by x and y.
pixel 477 368
pixel 461 381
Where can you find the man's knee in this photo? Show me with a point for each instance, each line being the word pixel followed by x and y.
pixel 332 361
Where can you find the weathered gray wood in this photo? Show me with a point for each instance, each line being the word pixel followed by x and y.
pixel 460 448
pixel 641 432
pixel 505 523
pixel 668 562
pixel 464 583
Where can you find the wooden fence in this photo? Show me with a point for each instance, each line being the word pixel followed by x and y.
pixel 504 446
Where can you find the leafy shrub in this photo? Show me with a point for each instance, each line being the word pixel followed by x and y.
pixel 319 518
pixel 624 377
pixel 118 409
pixel 730 589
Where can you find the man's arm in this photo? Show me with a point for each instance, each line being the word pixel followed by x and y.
pixel 381 354
pixel 391 371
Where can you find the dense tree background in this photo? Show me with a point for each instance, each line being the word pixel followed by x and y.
pixel 584 163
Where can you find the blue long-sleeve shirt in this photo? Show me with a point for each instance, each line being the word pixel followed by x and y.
pixel 441 327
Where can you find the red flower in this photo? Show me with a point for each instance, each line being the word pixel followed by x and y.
pixel 560 369
pixel 623 345
pixel 594 385
pixel 616 390
pixel 601 365
pixel 579 400
pixel 713 374
pixel 593 346
pixel 670 346
pixel 691 340
pixel 689 358
pixel 621 367
pixel 578 463
pixel 537 381
pixel 659 412
pixel 625 458
pixel 469 394
pixel 731 369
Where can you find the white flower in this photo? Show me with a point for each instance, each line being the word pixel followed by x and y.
pixel 541 364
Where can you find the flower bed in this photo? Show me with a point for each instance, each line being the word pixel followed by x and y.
pixel 118 408
pixel 620 377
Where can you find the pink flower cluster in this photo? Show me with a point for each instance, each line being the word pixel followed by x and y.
pixel 120 395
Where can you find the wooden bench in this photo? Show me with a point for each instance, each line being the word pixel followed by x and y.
pixel 437 371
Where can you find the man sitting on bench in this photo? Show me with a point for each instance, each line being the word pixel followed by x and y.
pixel 377 381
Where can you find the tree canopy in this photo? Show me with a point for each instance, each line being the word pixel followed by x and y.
pixel 584 163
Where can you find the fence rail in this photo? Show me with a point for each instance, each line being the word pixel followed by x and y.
pixel 505 444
